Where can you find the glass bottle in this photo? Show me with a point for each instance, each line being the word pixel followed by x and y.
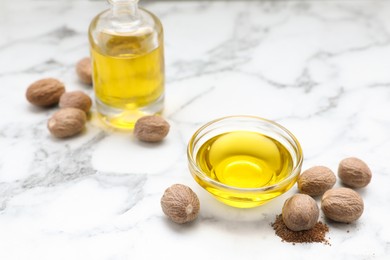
pixel 127 56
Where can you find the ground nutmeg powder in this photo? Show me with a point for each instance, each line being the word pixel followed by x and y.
pixel 314 235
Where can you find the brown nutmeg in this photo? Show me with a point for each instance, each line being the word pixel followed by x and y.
pixel 342 205
pixel 151 128
pixel 316 180
pixel 300 212
pixel 67 122
pixel 76 99
pixel 180 204
pixel 354 173
pixel 45 92
pixel 84 70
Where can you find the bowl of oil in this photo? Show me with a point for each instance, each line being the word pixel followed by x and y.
pixel 244 161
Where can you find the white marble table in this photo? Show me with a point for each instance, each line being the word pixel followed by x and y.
pixel 321 68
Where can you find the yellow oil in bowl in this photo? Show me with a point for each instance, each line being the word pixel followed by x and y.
pixel 244 161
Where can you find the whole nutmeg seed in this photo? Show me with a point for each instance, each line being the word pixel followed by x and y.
pixel 151 128
pixel 300 212
pixel 67 122
pixel 45 92
pixel 316 180
pixel 180 204
pixel 84 70
pixel 342 205
pixel 354 173
pixel 76 99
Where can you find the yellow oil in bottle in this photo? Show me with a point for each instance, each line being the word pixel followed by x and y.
pixel 244 159
pixel 128 75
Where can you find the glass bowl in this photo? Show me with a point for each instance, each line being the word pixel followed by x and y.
pixel 236 195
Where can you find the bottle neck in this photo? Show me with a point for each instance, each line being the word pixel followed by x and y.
pixel 125 11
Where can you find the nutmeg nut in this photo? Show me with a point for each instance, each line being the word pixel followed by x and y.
pixel 76 99
pixel 45 92
pixel 84 70
pixel 67 122
pixel 342 205
pixel 300 212
pixel 316 180
pixel 180 204
pixel 354 173
pixel 151 128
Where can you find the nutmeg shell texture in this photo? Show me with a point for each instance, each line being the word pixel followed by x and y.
pixel 180 204
pixel 342 205
pixel 300 212
pixel 354 172
pixel 316 180
pixel 45 92
pixel 67 122
pixel 76 99
pixel 84 70
pixel 151 128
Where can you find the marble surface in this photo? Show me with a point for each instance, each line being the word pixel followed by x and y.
pixel 320 68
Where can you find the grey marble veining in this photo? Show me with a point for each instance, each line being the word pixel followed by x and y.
pixel 320 68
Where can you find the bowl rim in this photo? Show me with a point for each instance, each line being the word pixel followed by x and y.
pixel 294 172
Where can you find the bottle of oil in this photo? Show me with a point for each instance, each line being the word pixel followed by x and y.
pixel 127 56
